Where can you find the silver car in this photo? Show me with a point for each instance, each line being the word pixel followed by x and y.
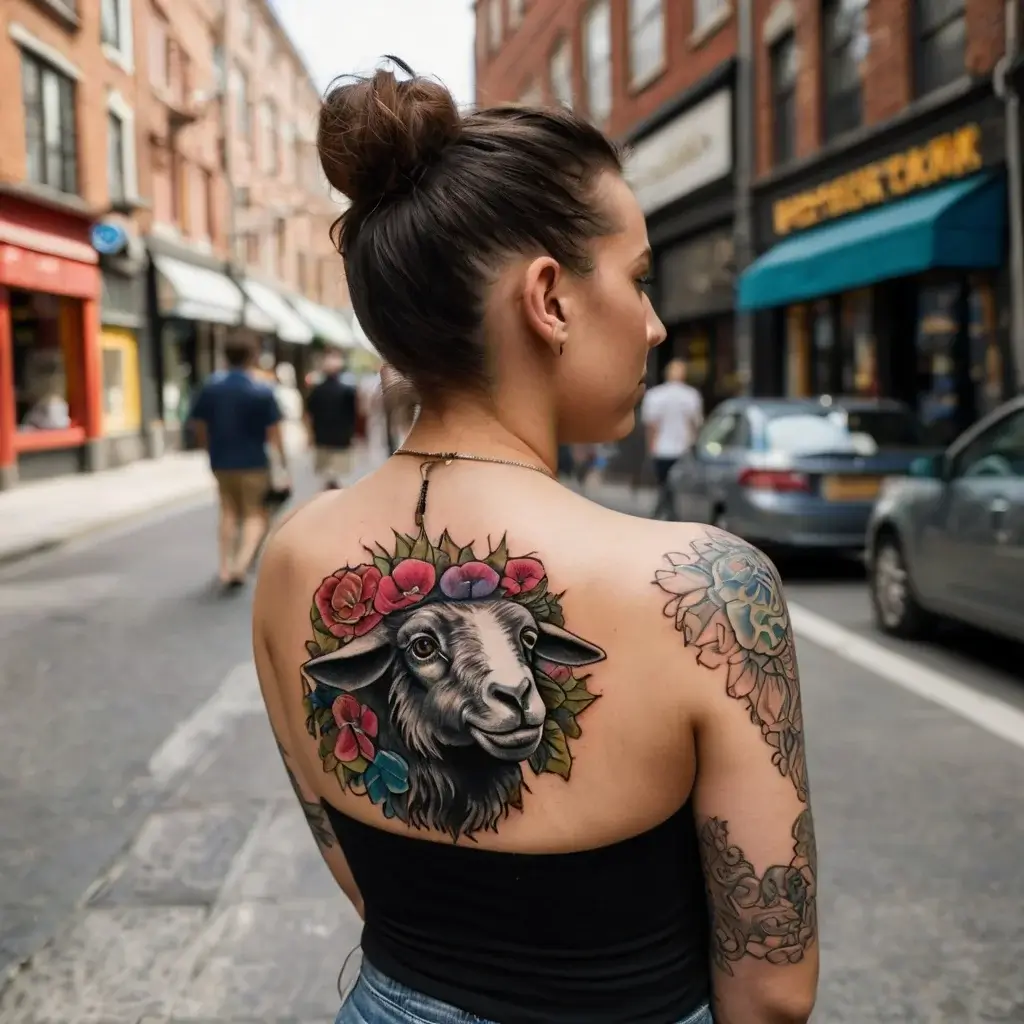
pixel 795 473
pixel 949 540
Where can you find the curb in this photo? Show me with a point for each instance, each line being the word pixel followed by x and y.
pixel 46 545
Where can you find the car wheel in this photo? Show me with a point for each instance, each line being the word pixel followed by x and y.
pixel 897 611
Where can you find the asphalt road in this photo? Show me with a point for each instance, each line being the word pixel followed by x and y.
pixel 143 812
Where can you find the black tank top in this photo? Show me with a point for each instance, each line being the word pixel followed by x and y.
pixel 613 935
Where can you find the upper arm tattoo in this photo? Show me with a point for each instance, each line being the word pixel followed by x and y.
pixel 436 674
pixel 727 602
pixel 316 816
pixel 772 917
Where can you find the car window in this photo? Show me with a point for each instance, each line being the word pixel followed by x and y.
pixel 826 431
pixel 999 451
pixel 720 432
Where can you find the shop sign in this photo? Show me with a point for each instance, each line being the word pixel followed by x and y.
pixel 688 153
pixel 949 156
pixel 108 238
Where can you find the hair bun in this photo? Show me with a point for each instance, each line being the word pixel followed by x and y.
pixel 376 134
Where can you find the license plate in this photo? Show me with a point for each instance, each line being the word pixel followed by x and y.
pixel 851 488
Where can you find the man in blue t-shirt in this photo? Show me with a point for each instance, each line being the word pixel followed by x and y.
pixel 236 417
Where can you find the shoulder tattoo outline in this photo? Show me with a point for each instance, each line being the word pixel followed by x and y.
pixel 436 674
pixel 726 599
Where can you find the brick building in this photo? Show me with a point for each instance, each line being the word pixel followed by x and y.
pixel 880 204
pixel 74 74
pixel 133 237
pixel 853 110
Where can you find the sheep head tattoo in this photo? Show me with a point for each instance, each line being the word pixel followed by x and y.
pixel 435 676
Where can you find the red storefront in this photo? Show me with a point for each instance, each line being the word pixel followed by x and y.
pixel 50 388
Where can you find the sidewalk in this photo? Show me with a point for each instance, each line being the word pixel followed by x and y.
pixel 221 909
pixel 40 516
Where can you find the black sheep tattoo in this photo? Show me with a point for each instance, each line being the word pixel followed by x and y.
pixel 436 675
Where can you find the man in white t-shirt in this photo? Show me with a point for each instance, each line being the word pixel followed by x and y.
pixel 672 413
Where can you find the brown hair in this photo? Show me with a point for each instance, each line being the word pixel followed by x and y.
pixel 239 351
pixel 439 200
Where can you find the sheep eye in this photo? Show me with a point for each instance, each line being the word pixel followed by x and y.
pixel 423 647
pixel 529 638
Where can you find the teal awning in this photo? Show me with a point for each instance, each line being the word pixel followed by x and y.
pixel 961 225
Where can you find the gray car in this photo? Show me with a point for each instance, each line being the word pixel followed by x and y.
pixel 795 473
pixel 949 540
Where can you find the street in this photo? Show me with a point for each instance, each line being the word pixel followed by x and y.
pixel 155 867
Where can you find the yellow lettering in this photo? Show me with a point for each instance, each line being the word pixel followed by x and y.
pixel 942 156
pixel 967 142
pixel 896 174
pixel 918 170
pixel 872 188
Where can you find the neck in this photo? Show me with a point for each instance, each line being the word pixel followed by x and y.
pixel 474 430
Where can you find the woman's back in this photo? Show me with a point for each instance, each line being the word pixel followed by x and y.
pixel 528 731
pixel 475 702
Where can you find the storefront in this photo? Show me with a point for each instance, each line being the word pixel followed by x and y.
pixel 193 306
pixel 50 387
pixel 291 343
pixel 884 272
pixel 681 170
pixel 126 375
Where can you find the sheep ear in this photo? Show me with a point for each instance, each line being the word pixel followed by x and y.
pixel 355 665
pixel 561 647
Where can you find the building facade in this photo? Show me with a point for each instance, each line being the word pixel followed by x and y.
pixel 158 190
pixel 880 206
pixel 67 162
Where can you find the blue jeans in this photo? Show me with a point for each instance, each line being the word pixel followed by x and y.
pixel 378 999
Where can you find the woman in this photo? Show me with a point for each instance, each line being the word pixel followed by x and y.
pixel 526 729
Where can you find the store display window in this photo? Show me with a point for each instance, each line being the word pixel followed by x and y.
pixel 44 364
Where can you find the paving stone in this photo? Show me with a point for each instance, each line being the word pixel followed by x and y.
pixel 281 861
pixel 270 961
pixel 109 966
pixel 181 857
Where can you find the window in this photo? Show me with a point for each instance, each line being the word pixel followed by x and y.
pixel 843 42
pixel 246 25
pixel 561 72
pixel 110 23
pixel 269 149
pixel 597 39
pixel 219 67
pixel 243 107
pixel 999 452
pixel 209 201
pixel 158 38
pixel 495 23
pixel 515 12
pixel 783 56
pixel 281 237
pixel 941 39
pixel 707 12
pixel 42 398
pixel 50 130
pixel 252 249
pixel 116 157
pixel 646 40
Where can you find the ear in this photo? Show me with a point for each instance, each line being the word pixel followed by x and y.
pixel 355 665
pixel 561 647
pixel 542 306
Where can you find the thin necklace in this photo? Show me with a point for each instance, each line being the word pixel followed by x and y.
pixel 433 459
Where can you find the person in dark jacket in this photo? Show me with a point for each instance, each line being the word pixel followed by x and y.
pixel 331 410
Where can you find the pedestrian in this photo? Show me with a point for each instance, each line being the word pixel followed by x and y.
pixel 236 418
pixel 530 734
pixel 331 422
pixel 672 413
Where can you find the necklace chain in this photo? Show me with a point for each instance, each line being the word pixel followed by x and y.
pixel 432 459
pixel 448 457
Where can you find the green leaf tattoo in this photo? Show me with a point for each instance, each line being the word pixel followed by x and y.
pixel 727 601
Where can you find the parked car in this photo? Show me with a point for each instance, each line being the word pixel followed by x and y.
pixel 949 540
pixel 795 473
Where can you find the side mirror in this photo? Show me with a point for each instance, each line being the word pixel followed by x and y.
pixel 927 467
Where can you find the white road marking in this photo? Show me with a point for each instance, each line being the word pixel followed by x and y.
pixel 988 713
pixel 237 696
